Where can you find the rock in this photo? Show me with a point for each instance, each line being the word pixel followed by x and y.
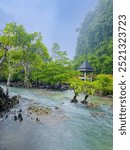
pixel 15 118
pixel 64 87
pixel 15 100
pixel 74 101
pixel 21 119
pixel 20 110
pixel 84 102
pixel 6 116
pixel 1 115
pixel 2 94
pixel 19 115
pixel 39 110
pixel 5 102
pixel 56 107
pixel 37 119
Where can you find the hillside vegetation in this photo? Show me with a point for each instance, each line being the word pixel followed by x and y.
pixel 95 38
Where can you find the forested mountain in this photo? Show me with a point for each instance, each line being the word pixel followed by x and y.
pixel 95 38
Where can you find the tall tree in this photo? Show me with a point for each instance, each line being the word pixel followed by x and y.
pixel 21 49
pixel 59 55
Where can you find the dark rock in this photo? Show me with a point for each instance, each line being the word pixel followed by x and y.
pixel 15 118
pixel 37 119
pixel 20 110
pixel 5 102
pixel 6 116
pixel 84 102
pixel 56 107
pixel 2 94
pixel 21 119
pixel 74 101
pixel 1 115
pixel 64 87
pixel 15 100
pixel 19 115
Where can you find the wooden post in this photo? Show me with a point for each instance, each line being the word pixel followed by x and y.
pixel 85 75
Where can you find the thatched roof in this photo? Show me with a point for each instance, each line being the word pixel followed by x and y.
pixel 85 66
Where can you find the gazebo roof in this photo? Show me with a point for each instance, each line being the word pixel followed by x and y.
pixel 85 66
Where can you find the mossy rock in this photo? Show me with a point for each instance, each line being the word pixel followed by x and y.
pixel 39 110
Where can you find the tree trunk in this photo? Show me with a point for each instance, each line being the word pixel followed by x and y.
pixel 2 59
pixel 9 78
pixel 27 83
pixel 85 99
pixel 74 100
pixel 25 76
pixel 4 56
pixel 8 84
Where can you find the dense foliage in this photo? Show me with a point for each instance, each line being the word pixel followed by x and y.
pixel 95 38
pixel 24 58
pixel 102 84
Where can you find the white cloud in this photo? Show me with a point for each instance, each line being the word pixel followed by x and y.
pixel 50 17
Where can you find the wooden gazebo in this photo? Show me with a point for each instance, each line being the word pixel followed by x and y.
pixel 84 69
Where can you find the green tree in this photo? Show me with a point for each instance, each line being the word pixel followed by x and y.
pixel 55 73
pixel 76 84
pixel 58 55
pixel 88 88
pixel 12 62
pixel 104 84
pixel 80 86
pixel 21 51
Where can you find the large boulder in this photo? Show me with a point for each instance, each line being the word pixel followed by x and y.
pixel 5 102
pixel 2 94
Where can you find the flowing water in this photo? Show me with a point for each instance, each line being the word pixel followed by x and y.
pixel 70 127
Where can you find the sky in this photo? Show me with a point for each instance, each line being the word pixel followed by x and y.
pixel 57 20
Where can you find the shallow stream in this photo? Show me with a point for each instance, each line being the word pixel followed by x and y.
pixel 69 127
